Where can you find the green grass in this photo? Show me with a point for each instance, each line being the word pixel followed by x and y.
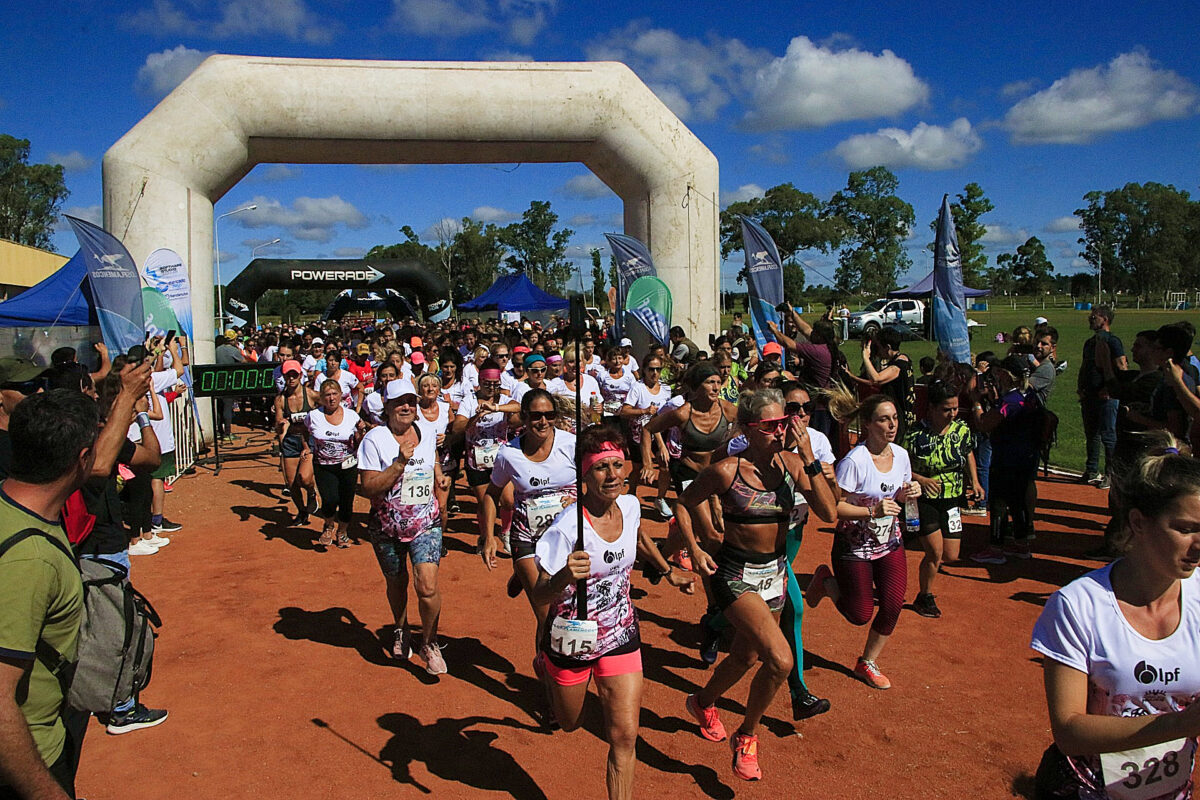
pixel 1072 332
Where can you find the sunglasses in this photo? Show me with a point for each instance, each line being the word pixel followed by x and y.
pixel 406 400
pixel 776 425
pixel 490 384
pixel 535 370
pixel 651 369
pixel 25 387
pixel 549 416
pixel 501 355
pixel 796 409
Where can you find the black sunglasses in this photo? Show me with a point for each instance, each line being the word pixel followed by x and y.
pixel 549 416
pixel 794 409
pixel 25 387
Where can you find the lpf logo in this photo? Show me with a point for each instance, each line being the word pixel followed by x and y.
pixel 1148 673
pixel 612 557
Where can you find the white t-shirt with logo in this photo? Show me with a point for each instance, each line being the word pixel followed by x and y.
pixel 162 382
pixel 588 389
pixel 1083 627
pixel 640 396
pixel 330 442
pixel 489 432
pixel 410 507
pixel 540 488
pixel 864 485
pixel 345 379
pixel 470 375
pixel 614 390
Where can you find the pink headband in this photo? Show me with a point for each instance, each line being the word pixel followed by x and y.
pixel 489 374
pixel 553 359
pixel 607 450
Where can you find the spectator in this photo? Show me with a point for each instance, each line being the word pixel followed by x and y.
pixel 683 349
pixel 1044 372
pixel 229 353
pixel 1097 407
pixel 19 378
pixel 926 365
pixel 894 376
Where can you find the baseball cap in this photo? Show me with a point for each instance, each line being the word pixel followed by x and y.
pixel 417 357
pixel 1040 321
pixel 18 370
pixel 416 343
pixel 772 348
pixel 231 334
pixel 318 340
pixel 398 388
pixel 291 366
pixel 626 342
pixel 364 349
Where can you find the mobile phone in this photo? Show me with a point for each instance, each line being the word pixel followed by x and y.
pixel 170 336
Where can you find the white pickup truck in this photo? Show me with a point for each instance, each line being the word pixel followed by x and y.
pixel 879 312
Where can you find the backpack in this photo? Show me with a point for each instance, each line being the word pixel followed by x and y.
pixel 115 656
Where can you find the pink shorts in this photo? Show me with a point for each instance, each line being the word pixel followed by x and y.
pixel 602 667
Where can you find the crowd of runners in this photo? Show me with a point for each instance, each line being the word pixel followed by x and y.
pixel 554 443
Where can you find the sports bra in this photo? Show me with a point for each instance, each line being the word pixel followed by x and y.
pixel 296 425
pixel 693 441
pixel 746 505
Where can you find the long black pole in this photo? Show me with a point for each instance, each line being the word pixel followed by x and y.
pixel 577 317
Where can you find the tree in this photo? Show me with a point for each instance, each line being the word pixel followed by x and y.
pixel 793 282
pixel 794 219
pixel 1028 268
pixel 478 254
pixel 30 194
pixel 874 223
pixel 599 286
pixel 971 204
pixel 411 249
pixel 538 247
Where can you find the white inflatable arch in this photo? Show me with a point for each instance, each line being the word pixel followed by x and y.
pixel 162 178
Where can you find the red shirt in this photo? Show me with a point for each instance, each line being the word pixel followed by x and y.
pixel 364 373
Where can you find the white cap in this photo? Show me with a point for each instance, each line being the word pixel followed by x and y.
pixel 627 342
pixel 1040 321
pixel 318 340
pixel 398 388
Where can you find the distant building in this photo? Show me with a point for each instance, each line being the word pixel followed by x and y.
pixel 22 266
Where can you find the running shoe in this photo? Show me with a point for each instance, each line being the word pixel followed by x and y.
pixel 664 510
pixel 710 640
pixel 1097 479
pixel 434 663
pixel 142 547
pixel 869 673
pixel 1021 550
pixel 682 559
pixel 926 606
pixel 992 555
pixel 168 486
pixel 1089 477
pixel 808 705
pixel 401 644
pixel 505 544
pixel 135 719
pixel 300 519
pixel 286 492
pixel 815 592
pixel 159 541
pixel 1102 483
pixel 707 718
pixel 166 526
pixel 745 756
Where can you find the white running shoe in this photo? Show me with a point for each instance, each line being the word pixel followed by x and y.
pixel 158 541
pixel 142 547
pixel 663 509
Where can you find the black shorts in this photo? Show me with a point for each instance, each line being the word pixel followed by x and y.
pixel 731 581
pixel 291 446
pixel 941 514
pixel 478 477
pixel 681 474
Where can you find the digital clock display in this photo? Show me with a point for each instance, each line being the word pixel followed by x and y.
pixel 234 380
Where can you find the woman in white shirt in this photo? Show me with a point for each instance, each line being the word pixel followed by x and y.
pixel 1120 645
pixel 433 417
pixel 483 419
pixel 648 397
pixel 868 554
pixel 333 432
pixel 351 397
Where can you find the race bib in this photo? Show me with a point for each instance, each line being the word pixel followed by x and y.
pixel 485 455
pixel 416 487
pixel 573 638
pixel 953 520
pixel 1155 771
pixel 611 407
pixel 766 579
pixel 882 527
pixel 541 511
pixel 368 389
pixel 298 416
pixel 349 462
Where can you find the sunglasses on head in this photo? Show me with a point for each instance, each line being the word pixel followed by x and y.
pixel 549 416
pixel 796 409
pixel 775 425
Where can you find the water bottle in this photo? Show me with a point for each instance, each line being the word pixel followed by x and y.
pixel 912 516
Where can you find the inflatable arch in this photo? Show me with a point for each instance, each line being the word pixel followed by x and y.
pixel 163 176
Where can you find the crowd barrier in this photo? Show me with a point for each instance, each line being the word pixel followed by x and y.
pixel 183 425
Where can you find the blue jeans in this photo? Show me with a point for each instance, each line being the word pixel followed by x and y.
pixel 983 463
pixel 1099 430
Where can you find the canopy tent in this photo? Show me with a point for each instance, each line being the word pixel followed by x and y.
pixel 63 298
pixel 514 293
pixel 924 288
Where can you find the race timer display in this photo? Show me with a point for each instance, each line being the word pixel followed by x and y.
pixel 234 380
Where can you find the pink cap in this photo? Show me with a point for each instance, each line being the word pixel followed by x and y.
pixel 291 366
pixel 417 357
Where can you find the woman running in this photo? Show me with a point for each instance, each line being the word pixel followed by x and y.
pixel 334 432
pixel 868 553
pixel 1120 647
pixel 535 376
pixel 757 491
pixel 589 389
pixel 606 645
pixel 941 447
pixel 351 397
pixel 615 381
pixel 292 406
pixel 401 476
pixel 372 406
pixel 647 397
pixel 433 418
pixel 483 419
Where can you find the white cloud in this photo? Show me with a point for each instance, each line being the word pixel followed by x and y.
pixel 281 172
pixel 927 147
pixel 225 256
pixel 747 191
pixel 499 216
pixel 446 226
pixel 73 161
pixel 1069 224
pixel 1127 92
pixel 165 70
pixel 812 86
pixel 1004 236
pixel 1016 88
pixel 507 55
pixel 230 19
pixel 583 221
pixel 350 252
pixel 585 187
pixel 312 219
pixel 520 20
pixel 773 150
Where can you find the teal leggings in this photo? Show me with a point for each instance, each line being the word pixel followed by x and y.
pixel 791 618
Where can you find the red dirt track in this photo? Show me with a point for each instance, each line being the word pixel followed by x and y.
pixel 271 665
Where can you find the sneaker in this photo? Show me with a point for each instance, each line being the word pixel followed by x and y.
pixel 135 719
pixel 434 663
pixel 710 641
pixel 1089 477
pixel 926 606
pixel 159 541
pixel 870 675
pixel 682 559
pixel 992 555
pixel 1096 480
pixel 1102 483
pixel 168 486
pixel 166 526
pixel 142 547
pixel 707 718
pixel 401 644
pixel 664 510
pixel 815 592
pixel 745 756
pixel 808 705
pixel 505 548
pixel 1019 550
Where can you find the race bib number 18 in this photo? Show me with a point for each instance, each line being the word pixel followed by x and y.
pixel 1156 771
pixel 574 638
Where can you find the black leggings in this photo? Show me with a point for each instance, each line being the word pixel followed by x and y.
pixel 336 486
pixel 1009 496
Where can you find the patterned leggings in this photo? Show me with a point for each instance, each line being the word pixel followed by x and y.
pixel 859 581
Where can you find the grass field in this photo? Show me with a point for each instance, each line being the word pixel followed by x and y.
pixel 1072 332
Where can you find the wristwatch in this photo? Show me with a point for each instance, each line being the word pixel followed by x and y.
pixel 813 468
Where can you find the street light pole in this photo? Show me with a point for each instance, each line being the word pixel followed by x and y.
pixel 254 250
pixel 217 260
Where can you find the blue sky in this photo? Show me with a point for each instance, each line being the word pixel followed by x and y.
pixel 1038 103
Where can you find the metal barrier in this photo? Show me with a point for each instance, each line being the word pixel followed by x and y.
pixel 183 426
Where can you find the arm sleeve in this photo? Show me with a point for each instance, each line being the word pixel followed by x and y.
pixel 1057 634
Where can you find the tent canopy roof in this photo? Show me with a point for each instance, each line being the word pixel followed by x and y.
pixel 924 287
pixel 514 293
pixel 63 298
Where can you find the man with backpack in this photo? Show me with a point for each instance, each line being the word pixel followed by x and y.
pixel 54 435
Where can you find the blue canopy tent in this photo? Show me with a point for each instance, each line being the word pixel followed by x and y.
pixel 924 288
pixel 514 293
pixel 63 298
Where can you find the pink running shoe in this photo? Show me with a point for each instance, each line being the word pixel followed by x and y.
pixel 707 718
pixel 745 756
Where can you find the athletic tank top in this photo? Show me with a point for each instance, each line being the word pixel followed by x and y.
pixel 747 505
pixel 296 425
pixel 693 441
